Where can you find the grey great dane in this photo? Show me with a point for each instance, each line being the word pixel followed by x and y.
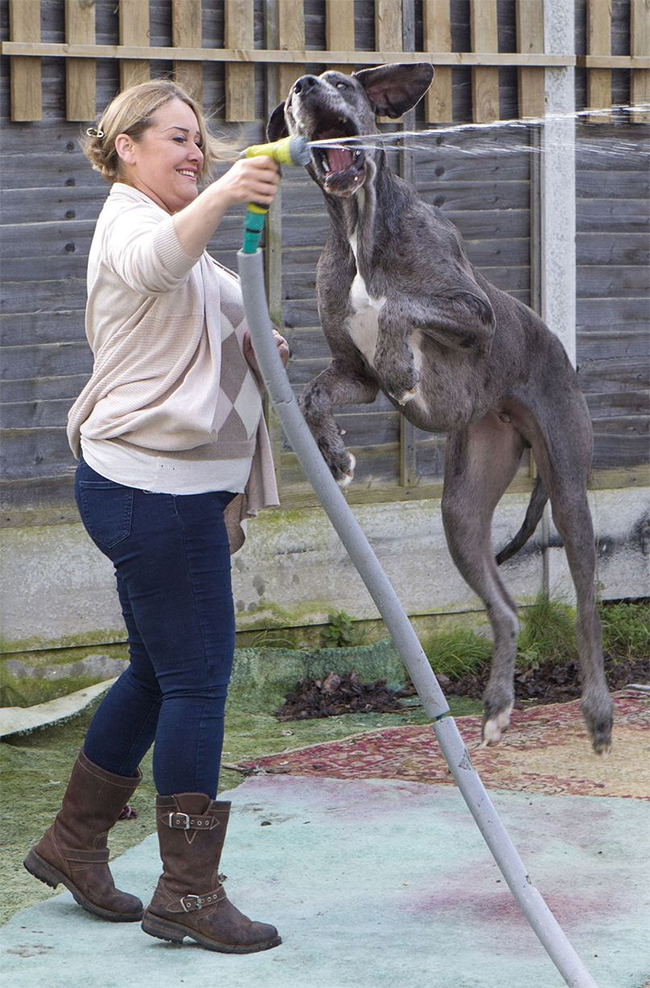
pixel 405 312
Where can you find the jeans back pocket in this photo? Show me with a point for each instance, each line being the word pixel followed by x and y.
pixel 106 509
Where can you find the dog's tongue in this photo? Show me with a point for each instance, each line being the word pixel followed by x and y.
pixel 339 159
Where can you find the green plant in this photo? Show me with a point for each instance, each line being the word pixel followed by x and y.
pixel 456 652
pixel 547 634
pixel 340 632
pixel 626 629
pixel 267 639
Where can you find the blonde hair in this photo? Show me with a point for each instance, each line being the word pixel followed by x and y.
pixel 132 112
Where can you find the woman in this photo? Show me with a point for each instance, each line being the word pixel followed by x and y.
pixel 174 455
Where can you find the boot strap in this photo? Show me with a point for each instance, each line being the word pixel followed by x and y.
pixel 192 903
pixel 84 856
pixel 194 821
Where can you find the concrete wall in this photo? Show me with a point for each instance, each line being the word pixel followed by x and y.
pixel 57 589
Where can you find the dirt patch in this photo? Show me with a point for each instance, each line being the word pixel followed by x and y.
pixel 549 683
pixel 336 695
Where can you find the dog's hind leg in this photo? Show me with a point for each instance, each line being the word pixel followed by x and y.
pixel 573 521
pixel 481 460
pixel 562 445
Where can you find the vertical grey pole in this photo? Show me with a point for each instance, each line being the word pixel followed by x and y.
pixel 557 227
pixel 532 904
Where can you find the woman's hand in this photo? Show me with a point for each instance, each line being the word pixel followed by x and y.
pixel 249 180
pixel 280 342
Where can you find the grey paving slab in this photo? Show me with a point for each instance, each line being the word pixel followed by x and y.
pixel 373 884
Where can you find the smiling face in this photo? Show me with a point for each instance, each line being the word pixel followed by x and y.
pixel 165 161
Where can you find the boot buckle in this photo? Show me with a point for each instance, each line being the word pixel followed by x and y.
pixel 179 821
pixel 191 903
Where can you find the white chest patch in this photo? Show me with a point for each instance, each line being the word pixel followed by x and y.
pixel 363 323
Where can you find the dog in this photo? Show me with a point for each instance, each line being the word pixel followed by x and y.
pixel 405 312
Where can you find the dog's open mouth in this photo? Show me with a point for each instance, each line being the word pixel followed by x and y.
pixel 339 168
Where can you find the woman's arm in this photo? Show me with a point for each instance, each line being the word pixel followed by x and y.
pixel 249 180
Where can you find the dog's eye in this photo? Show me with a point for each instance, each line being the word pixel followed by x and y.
pixel 341 85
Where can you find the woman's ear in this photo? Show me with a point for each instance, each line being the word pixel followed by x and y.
pixel 125 148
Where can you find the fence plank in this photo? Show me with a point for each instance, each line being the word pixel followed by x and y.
pixel 436 25
pixel 25 25
pixel 388 25
pixel 80 73
pixel 339 29
pixel 599 42
pixel 530 38
pixel 240 79
pixel 388 31
pixel 640 45
pixel 291 37
pixel 297 56
pixel 187 33
pixel 134 30
pixel 485 81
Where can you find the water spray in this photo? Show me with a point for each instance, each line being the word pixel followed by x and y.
pixel 422 140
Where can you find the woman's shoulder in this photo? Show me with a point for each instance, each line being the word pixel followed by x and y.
pixel 126 208
pixel 124 200
pixel 122 194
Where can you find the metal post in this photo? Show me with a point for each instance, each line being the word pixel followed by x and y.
pixel 535 909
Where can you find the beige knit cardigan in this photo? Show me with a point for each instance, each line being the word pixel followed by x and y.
pixel 153 324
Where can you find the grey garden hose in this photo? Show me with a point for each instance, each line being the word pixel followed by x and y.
pixel 531 902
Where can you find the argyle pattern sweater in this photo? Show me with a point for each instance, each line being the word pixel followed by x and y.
pixel 166 330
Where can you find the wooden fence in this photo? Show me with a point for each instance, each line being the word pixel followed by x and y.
pixel 80 52
pixel 136 55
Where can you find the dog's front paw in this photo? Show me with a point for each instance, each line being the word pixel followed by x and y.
pixel 348 476
pixel 406 396
pixel 341 464
pixel 403 388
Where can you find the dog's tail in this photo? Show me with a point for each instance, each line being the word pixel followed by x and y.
pixel 538 499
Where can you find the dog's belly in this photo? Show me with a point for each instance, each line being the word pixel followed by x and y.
pixel 363 322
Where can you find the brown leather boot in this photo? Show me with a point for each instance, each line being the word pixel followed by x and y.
pixel 73 851
pixel 189 900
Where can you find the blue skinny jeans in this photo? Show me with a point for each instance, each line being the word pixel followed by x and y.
pixel 172 562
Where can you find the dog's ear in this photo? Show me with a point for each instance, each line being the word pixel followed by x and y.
pixel 276 128
pixel 394 89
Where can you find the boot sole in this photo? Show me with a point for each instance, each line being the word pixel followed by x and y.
pixel 155 926
pixel 51 876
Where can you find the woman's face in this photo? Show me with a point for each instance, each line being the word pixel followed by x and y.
pixel 166 160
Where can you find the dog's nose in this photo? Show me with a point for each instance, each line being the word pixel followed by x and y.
pixel 304 84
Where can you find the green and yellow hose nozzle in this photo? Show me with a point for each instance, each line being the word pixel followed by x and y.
pixel 288 151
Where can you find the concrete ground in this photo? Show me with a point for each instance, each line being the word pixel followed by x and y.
pixel 373 884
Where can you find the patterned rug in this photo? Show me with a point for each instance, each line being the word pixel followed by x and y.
pixel 546 750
